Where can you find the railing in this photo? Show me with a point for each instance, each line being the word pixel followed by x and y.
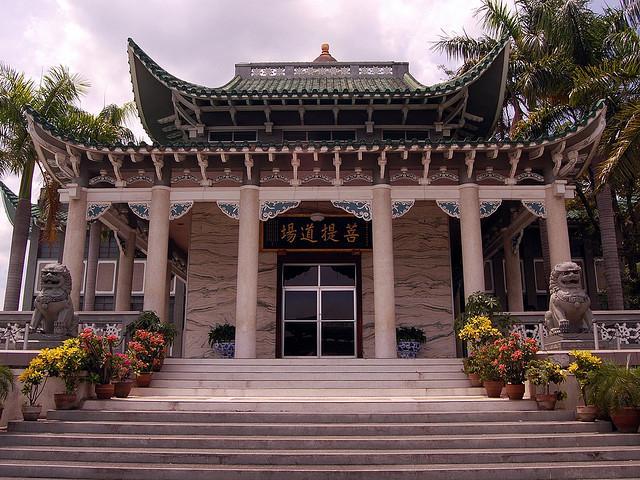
pixel 14 331
pixel 620 326
pixel 14 327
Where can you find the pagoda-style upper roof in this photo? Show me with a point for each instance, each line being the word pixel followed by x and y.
pixel 285 95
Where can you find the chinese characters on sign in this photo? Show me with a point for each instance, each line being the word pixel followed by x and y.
pixel 334 233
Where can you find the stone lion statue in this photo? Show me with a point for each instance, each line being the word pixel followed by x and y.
pixel 569 306
pixel 53 309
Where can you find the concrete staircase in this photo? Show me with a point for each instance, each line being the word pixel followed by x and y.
pixel 314 419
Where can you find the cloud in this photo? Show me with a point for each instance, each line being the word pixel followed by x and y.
pixel 200 41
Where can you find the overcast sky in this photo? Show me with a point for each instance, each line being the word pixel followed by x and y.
pixel 200 41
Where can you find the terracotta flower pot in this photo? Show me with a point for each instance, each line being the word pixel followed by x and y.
pixel 65 401
pixel 515 391
pixel 31 413
pixel 493 388
pixel 474 378
pixel 546 401
pixel 144 379
pixel 586 413
pixel 104 391
pixel 122 389
pixel 626 419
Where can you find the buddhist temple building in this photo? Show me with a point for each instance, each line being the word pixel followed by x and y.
pixel 316 206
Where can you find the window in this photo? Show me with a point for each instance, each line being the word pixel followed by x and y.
pixel 405 135
pixel 236 136
pixel 541 279
pixel 106 277
pixel 488 276
pixel 601 279
pixel 318 135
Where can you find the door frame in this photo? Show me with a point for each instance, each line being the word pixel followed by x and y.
pixel 319 258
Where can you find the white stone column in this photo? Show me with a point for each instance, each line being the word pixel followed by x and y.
pixel 74 239
pixel 471 236
pixel 155 275
pixel 557 230
pixel 384 299
pixel 92 266
pixel 247 279
pixel 513 276
pixel 124 282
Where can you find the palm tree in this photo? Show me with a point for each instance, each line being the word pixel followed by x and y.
pixel 554 42
pixel 57 90
pixel 54 98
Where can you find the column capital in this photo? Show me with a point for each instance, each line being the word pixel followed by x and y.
pixel 249 187
pixel 381 185
pixel 468 185
pixel 160 187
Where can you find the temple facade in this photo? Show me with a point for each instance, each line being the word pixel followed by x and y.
pixel 316 206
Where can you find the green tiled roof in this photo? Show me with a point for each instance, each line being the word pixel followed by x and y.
pixel 10 202
pixel 405 84
pixel 317 85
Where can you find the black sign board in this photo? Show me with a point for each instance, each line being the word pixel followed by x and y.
pixel 301 233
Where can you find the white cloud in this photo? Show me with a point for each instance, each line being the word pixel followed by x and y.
pixel 200 41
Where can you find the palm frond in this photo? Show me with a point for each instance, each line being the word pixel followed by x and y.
pixel 463 47
pixel 621 146
pixel 498 19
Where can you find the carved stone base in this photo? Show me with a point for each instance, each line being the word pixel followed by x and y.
pixel 38 341
pixel 570 341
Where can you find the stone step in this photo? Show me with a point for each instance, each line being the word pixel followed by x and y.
pixel 312 361
pixel 310 376
pixel 277 417
pixel 474 471
pixel 306 429
pixel 317 404
pixel 291 391
pixel 335 368
pixel 322 457
pixel 353 384
pixel 265 442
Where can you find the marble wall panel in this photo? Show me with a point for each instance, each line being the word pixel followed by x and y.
pixel 422 280
pixel 267 292
pixel 211 289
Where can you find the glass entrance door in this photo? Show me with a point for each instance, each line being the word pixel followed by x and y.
pixel 319 310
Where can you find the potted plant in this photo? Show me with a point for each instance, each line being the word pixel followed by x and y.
pixel 222 339
pixel 471 368
pixel 34 379
pixel 480 304
pixel 146 348
pixel 122 375
pixel 616 390
pixel 99 361
pixel 409 341
pixel 6 385
pixel 514 354
pixel 150 321
pixel 543 373
pixel 582 367
pixel 490 374
pixel 478 331
pixel 66 362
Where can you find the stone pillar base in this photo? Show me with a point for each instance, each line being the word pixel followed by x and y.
pixel 571 341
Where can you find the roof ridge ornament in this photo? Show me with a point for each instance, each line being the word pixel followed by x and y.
pixel 324 56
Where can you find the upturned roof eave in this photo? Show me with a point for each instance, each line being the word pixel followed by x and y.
pixel 594 114
pixel 199 91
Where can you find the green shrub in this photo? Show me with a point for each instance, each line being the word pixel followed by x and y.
pixel 222 332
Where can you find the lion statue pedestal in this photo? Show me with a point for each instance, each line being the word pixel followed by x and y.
pixel 53 313
pixel 569 320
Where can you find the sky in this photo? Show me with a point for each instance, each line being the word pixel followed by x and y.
pixel 201 41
